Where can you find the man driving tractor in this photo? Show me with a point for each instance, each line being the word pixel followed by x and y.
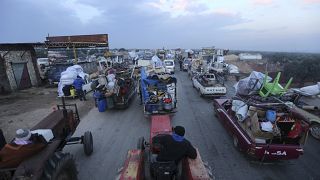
pixel 174 147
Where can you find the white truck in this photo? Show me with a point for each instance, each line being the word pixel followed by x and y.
pixel 208 85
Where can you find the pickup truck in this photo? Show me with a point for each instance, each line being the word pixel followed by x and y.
pixel 208 85
pixel 283 141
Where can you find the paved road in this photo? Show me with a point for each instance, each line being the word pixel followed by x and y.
pixel 115 132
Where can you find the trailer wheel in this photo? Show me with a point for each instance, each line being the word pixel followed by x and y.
pixel 88 143
pixel 315 130
pixel 60 167
pixel 140 144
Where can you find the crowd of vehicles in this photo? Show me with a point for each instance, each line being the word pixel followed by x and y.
pixel 264 130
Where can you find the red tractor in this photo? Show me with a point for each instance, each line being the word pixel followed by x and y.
pixel 45 159
pixel 140 165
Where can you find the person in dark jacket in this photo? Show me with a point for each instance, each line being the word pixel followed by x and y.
pixel 174 147
pixel 78 83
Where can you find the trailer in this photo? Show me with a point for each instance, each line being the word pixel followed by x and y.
pixel 158 92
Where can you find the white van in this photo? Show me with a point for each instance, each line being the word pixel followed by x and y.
pixel 169 65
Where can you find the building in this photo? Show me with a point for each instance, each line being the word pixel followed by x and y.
pixel 250 56
pixel 18 67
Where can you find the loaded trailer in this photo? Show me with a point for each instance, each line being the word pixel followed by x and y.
pixel 158 92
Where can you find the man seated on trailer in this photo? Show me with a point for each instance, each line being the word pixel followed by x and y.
pixel 174 147
pixel 24 145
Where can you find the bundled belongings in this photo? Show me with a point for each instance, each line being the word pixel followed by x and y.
pixel 67 78
pixel 117 87
pixel 276 123
pixel 158 92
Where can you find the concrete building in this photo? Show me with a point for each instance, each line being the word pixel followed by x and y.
pixel 18 67
pixel 249 56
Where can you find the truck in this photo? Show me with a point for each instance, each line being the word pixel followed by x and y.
pixel 263 131
pixel 208 85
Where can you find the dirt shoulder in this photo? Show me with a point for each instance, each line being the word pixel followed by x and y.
pixel 25 108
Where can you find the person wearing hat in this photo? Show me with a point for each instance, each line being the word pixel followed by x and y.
pixel 174 147
pixel 22 137
pixel 78 83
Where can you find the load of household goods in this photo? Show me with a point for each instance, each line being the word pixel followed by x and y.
pixel 266 111
pixel 114 87
pixel 158 91
pixel 65 86
pixel 273 123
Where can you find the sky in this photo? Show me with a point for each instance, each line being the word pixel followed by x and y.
pixel 262 25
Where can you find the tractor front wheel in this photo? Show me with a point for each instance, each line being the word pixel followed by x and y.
pixel 60 167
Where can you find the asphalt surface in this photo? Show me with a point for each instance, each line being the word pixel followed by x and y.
pixel 117 131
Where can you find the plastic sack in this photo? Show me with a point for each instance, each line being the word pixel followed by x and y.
pixel 311 90
pixel 266 126
pixel 251 83
pixel 240 108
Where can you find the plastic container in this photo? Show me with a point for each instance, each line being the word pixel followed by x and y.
pixel 72 92
pixel 271 115
pixel 102 105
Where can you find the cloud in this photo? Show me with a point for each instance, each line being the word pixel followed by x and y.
pixel 311 1
pixel 263 2
pixel 82 11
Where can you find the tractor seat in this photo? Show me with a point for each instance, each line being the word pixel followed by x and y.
pixel 161 169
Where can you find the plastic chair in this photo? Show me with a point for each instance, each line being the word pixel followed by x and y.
pixel 273 88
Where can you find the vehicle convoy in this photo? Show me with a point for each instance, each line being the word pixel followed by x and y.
pixel 169 65
pixel 158 92
pixel 265 131
pixel 43 158
pixel 208 85
pixel 139 165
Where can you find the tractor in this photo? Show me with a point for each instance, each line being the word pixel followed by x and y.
pixel 45 159
pixel 140 162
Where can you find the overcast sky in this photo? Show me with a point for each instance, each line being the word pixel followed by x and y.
pixel 270 25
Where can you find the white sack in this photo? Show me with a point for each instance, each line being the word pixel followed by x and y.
pixel 240 108
pixel 46 133
pixel 266 126
pixel 233 68
pixel 311 90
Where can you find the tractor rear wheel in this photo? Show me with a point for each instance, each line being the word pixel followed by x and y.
pixel 87 143
pixel 60 166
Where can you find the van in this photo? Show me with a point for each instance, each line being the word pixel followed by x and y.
pixel 169 66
